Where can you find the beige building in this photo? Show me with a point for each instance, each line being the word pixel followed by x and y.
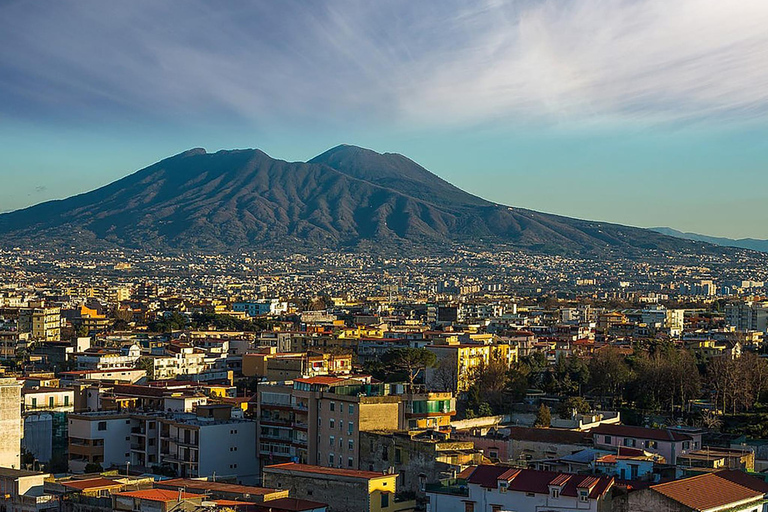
pixel 10 423
pixel 42 323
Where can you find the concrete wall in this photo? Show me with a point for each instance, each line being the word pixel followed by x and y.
pixel 10 423
pixel 229 449
pixel 341 495
pixel 38 436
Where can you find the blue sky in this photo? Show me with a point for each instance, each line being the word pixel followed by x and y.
pixel 643 112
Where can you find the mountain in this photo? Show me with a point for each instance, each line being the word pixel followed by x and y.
pixel 345 197
pixel 753 244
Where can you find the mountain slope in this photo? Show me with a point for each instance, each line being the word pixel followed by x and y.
pixel 753 244
pixel 244 199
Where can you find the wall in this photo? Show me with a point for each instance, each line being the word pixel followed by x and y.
pixel 10 423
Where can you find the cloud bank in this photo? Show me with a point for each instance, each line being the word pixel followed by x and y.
pixel 430 63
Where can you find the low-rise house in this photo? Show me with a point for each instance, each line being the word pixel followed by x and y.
pixel 417 457
pixel 502 488
pixel 669 443
pixel 23 491
pixel 153 500
pixel 730 490
pixel 345 490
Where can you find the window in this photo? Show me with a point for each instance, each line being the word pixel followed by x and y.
pixel 469 506
pixel 330 459
pixel 583 495
pixel 495 508
pixel 554 492
pixel 349 462
pixel 351 444
pixel 66 400
pixel 686 445
pixel 398 455
pixel 350 428
pixel 385 500
pixel 102 425
pixel 332 441
pixel 628 441
pixel 503 486
pixel 333 406
pixel 332 423
pixel 651 444
pixel 608 440
pixel 50 401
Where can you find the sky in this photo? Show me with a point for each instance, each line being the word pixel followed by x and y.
pixel 640 112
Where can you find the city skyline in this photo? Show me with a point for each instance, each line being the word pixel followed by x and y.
pixel 528 104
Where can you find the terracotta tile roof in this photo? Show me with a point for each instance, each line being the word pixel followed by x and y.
pixel 655 434
pixel 320 470
pixel 204 485
pixel 290 505
pixel 327 381
pixel 531 480
pixel 90 483
pixel 560 480
pixel 161 495
pixel 707 491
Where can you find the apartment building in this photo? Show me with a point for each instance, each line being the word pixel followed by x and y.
pixel 318 420
pixel 215 440
pixel 457 360
pixel 42 323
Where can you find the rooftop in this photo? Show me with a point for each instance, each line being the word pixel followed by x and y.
pixel 320 470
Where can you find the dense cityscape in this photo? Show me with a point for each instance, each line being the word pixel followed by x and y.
pixel 347 382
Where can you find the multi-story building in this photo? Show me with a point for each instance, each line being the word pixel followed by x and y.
pixel 747 316
pixel 456 362
pixel 215 440
pixel 10 423
pixel 42 323
pixel 103 359
pixel 318 420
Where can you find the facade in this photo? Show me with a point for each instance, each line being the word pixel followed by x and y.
pixel 344 490
pixel 318 420
pixel 190 445
pixel 417 457
pixel 456 362
pixel 669 443
pixel 43 324
pixel 22 491
pixel 747 316
pixel 505 488
pixel 10 423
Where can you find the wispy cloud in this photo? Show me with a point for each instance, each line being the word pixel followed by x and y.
pixel 424 63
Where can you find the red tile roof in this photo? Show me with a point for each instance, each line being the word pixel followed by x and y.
pixel 90 483
pixel 655 434
pixel 199 485
pixel 327 381
pixel 161 495
pixel 320 470
pixel 531 480
pixel 707 491
pixel 290 505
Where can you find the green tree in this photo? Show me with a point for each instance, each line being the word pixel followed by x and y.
pixel 543 417
pixel 609 372
pixel 413 361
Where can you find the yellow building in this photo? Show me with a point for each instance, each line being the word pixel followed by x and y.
pixel 42 323
pixel 456 363
pixel 344 490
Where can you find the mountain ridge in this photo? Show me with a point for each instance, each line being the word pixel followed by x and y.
pixel 753 244
pixel 240 199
